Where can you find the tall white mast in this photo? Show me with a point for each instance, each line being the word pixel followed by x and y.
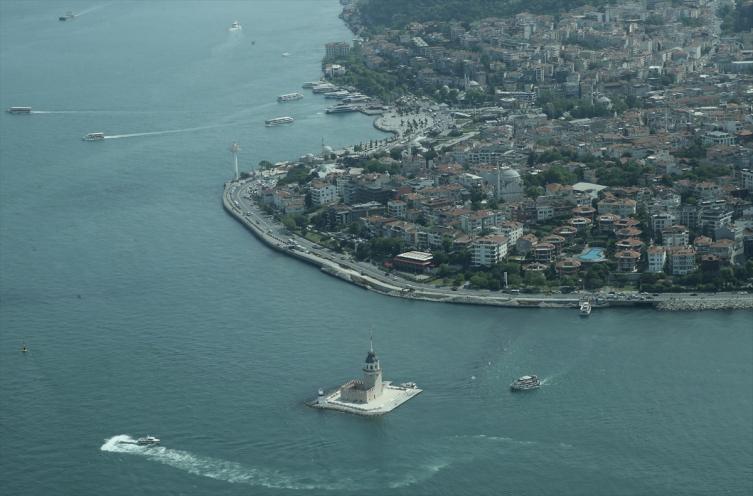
pixel 234 148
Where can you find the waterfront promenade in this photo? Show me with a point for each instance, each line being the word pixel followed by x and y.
pixel 369 277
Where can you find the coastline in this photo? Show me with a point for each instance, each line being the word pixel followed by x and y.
pixel 345 272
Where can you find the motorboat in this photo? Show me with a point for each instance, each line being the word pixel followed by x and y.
pixel 235 26
pixel 144 441
pixel 68 15
pixel 409 385
pixel 285 54
pixel 526 382
pixel 585 309
pixel 93 137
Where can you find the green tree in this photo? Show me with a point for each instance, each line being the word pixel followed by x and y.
pixel 354 228
pixel 534 278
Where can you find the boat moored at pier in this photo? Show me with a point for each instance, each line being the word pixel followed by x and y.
pixel 289 96
pixel 311 84
pixel 585 309
pixel 526 382
pixel 338 109
pixel 93 137
pixel 277 121
pixel 19 110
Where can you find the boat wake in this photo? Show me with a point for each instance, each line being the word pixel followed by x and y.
pixel 171 131
pixel 234 472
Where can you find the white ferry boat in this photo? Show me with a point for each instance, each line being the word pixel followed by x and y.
pixel 526 382
pixel 323 88
pixel 278 120
pixel 336 94
pixel 68 15
pixel 357 98
pixel 289 96
pixel 235 27
pixel 147 440
pixel 93 137
pixel 19 110
pixel 311 84
pixel 338 109
pixel 585 309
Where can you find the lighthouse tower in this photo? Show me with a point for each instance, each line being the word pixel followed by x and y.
pixel 372 372
pixel 234 148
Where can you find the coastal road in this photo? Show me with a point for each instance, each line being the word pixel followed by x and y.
pixel 277 235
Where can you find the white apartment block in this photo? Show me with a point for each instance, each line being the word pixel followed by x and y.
pixel 396 208
pixel 488 250
pixel 681 260
pixel 512 231
pixel 675 236
pixel 657 256
pixel 620 206
pixel 323 193
pixel 659 222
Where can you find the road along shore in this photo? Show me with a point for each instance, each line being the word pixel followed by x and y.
pixel 335 268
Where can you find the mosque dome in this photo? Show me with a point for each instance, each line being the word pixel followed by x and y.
pixel 473 84
pixel 510 175
pixel 327 149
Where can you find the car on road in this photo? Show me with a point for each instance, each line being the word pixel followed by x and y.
pixel 693 294
pixel 656 294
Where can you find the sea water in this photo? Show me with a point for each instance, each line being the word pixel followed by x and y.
pixel 147 309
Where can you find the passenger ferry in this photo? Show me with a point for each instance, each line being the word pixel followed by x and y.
pixel 585 308
pixel 357 98
pixel 19 110
pixel 93 137
pixel 68 15
pixel 338 109
pixel 311 84
pixel 278 120
pixel 336 94
pixel 289 96
pixel 526 382
pixel 323 88
pixel 235 27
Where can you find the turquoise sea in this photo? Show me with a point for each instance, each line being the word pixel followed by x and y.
pixel 148 310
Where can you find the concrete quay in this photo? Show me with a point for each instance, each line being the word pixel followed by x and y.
pixel 391 398
pixel 370 278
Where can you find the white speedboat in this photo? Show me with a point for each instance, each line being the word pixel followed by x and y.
pixel 236 27
pixel 147 440
pixel 285 54
pixel 526 382
pixel 409 385
pixel 585 309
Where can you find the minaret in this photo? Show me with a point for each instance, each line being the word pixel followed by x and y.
pixel 372 372
pixel 497 180
pixel 234 148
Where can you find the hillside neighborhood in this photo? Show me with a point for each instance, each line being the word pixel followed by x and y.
pixel 609 146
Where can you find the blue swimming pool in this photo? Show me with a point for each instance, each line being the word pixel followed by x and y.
pixel 592 253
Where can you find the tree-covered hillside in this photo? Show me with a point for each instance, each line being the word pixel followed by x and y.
pixel 395 13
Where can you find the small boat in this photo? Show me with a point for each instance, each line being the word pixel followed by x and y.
pixel 526 382
pixel 68 15
pixel 236 27
pixel 147 440
pixel 409 385
pixel 24 349
pixel 285 54
pixel 93 137
pixel 585 309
